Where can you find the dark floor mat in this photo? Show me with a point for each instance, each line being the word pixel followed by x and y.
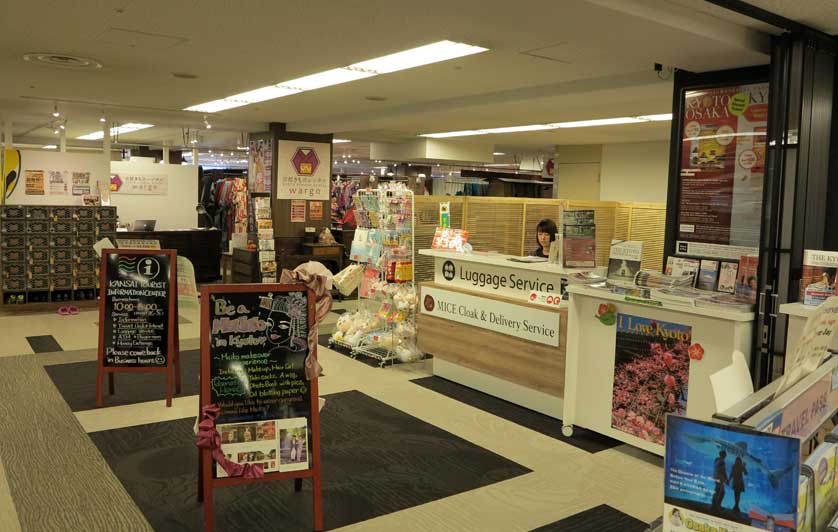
pixel 582 438
pixel 376 460
pixel 44 344
pixel 77 383
pixel 601 518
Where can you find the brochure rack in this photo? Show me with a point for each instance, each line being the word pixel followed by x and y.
pixel 384 245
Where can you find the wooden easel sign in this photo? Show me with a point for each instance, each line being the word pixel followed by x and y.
pixel 138 324
pixel 254 344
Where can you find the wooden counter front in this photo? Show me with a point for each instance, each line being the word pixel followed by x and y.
pixel 530 364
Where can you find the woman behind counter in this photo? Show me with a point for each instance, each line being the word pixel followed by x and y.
pixel 545 235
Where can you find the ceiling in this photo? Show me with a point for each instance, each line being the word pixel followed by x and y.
pixel 548 62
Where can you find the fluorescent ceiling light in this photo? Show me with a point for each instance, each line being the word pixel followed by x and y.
pixel 119 130
pixel 600 122
pixel 518 129
pixel 498 153
pixel 423 55
pixel 557 125
pixel 466 133
pixel 340 141
pixel 657 118
pixel 49 147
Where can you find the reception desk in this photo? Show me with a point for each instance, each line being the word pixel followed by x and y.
pixel 615 375
pixel 487 330
pixel 201 246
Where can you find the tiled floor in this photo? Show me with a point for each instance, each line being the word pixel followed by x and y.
pixel 564 480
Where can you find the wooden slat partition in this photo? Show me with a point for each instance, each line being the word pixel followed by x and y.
pixel 507 225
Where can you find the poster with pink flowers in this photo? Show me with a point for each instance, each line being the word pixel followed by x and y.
pixel 651 375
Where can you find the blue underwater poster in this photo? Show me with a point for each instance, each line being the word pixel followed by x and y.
pixel 725 479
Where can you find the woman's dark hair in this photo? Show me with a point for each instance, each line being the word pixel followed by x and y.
pixel 546 226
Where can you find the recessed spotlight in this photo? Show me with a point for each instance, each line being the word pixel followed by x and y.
pixel 102 119
pixel 62 61
pixel 55 112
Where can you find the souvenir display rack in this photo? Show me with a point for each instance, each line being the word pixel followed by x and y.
pixel 384 245
pixel 46 252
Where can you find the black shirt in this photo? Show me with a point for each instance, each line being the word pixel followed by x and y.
pixel 538 253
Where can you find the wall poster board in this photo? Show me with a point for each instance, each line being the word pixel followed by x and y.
pixel 304 169
pixel 138 325
pixel 721 170
pixel 254 343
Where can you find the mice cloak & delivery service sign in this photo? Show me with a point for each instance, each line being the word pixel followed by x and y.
pixel 254 345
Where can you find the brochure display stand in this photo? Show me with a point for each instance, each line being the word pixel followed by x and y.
pixel 385 324
pixel 260 420
pixel 138 323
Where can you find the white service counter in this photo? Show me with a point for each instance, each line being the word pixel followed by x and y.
pixel 592 358
pixel 477 320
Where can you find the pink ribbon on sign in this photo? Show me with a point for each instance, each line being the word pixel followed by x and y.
pixel 316 277
pixel 209 438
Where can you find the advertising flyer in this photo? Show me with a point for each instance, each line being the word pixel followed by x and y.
pixel 722 166
pixel 298 210
pixel 303 171
pixel 81 183
pixel 257 353
pixel 717 477
pixel 651 375
pixel 579 238
pixel 58 183
pixel 261 165
pixel 315 210
pixel 34 182
pixel 624 260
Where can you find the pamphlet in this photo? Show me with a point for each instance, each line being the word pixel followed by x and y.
pixel 680 266
pixel 708 274
pixel 449 239
pixel 721 477
pixel 817 281
pixel 624 260
pixel 821 467
pixel 727 277
pixel 746 280
pixel 579 239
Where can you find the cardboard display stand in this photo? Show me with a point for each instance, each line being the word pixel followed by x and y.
pixel 138 323
pixel 254 343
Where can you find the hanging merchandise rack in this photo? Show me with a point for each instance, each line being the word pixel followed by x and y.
pixel 384 326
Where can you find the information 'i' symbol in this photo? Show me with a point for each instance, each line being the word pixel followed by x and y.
pixel 149 268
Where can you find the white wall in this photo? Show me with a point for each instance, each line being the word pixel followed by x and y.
pixel 636 171
pixel 47 161
pixel 175 210
pixel 578 172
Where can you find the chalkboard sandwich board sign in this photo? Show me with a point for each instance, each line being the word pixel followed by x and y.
pixel 138 326
pixel 254 345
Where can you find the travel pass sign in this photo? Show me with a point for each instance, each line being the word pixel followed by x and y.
pixel 303 172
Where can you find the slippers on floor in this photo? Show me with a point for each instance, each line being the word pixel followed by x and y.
pixel 68 310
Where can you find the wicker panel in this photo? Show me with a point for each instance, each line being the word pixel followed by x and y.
pixel 496 225
pixel 84 213
pixel 62 213
pixel 106 213
pixel 37 227
pixel 86 268
pixel 63 227
pixel 12 241
pixel 536 212
pixel 85 227
pixel 62 241
pixel 14 284
pixel 648 225
pixel 14 255
pixel 37 213
pixel 83 254
pixel 61 254
pixel 622 221
pixel 62 282
pixel 40 268
pixel 425 224
pixel 13 227
pixel 14 269
pixel 85 281
pixel 62 268
pixel 104 227
pixel 38 283
pixel 84 240
pixel 38 255
pixel 37 241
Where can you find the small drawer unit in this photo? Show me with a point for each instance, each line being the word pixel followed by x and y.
pixel 60 254
pixel 13 255
pixel 62 268
pixel 37 213
pixel 61 214
pixel 62 282
pixel 14 269
pixel 13 241
pixel 84 241
pixel 38 269
pixel 85 227
pixel 84 254
pixel 85 281
pixel 84 214
pixel 12 227
pixel 63 227
pixel 38 256
pixel 38 283
pixel 12 213
pixel 37 227
pixel 86 268
pixel 106 214
pixel 61 241
pixel 37 242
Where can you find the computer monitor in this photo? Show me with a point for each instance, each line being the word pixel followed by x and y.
pixel 144 225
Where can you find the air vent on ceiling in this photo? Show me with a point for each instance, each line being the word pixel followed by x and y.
pixel 63 61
